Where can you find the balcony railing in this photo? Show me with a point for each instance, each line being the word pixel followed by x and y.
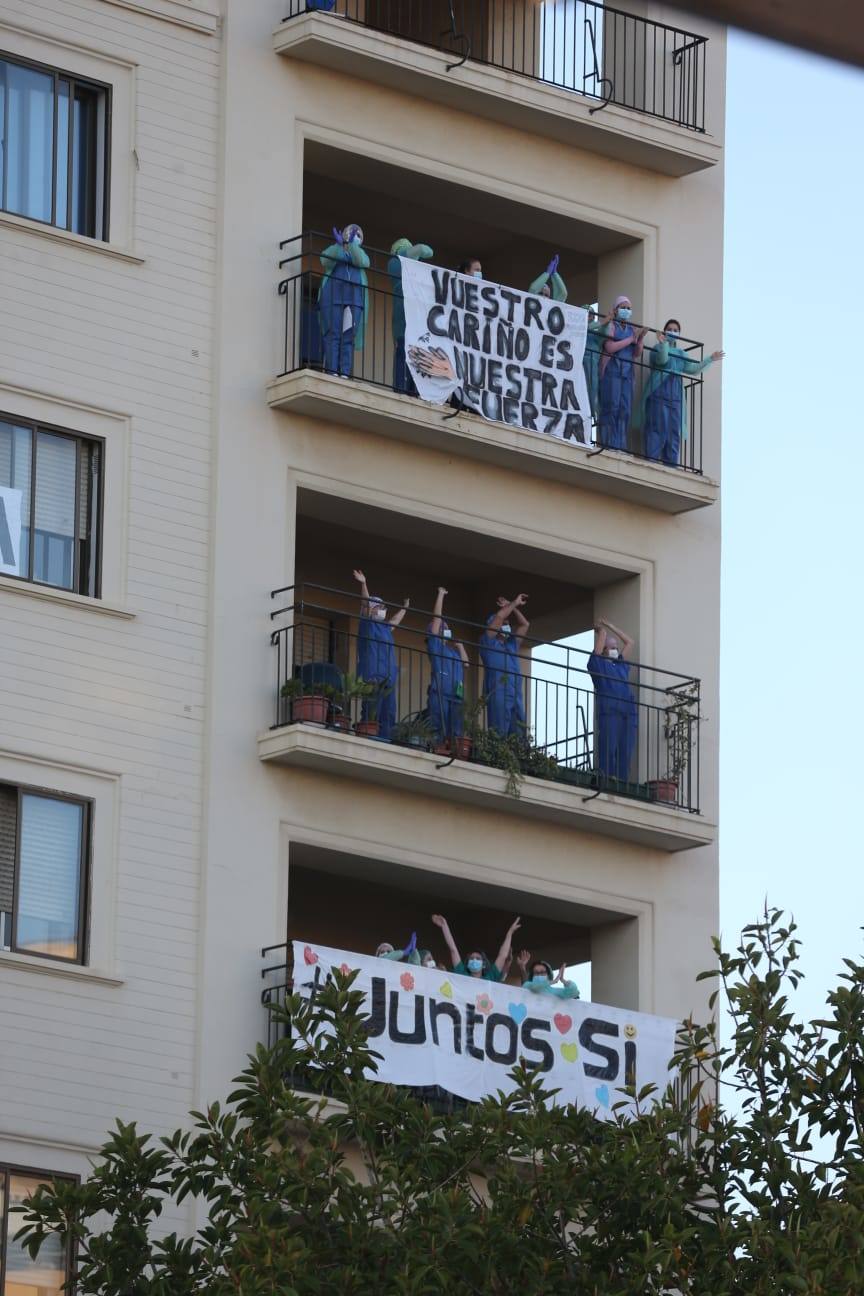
pixel 606 55
pixel 303 347
pixel 542 715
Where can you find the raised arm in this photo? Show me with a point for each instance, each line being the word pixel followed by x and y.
pixel 522 623
pixel 419 252
pixel 440 921
pixel 505 611
pixel 437 611
pixel 398 617
pixel 355 254
pixel 599 638
pixel 627 644
pixel 699 366
pixel 462 651
pixel 364 592
pixel 506 945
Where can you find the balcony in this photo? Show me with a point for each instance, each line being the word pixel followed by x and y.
pixel 589 75
pixel 551 752
pixel 371 401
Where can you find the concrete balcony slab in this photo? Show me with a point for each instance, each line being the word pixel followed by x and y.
pixel 387 413
pixel 344 755
pixel 500 95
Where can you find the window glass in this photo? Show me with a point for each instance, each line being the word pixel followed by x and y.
pixel 25 1277
pixel 29 129
pixel 53 140
pixel 54 532
pixel 15 460
pixel 49 877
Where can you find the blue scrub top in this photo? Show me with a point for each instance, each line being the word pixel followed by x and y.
pixel 376 652
pixel 611 677
pixel 503 657
pixel 447 669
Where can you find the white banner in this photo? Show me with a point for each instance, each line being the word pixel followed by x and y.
pixel 10 530
pixel 511 356
pixel 464 1034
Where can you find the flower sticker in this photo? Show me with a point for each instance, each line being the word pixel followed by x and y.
pixel 406 981
pixel 344 969
pixel 484 1003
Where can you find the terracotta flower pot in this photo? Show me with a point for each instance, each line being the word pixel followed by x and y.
pixel 664 790
pixel 310 710
pixel 366 729
pixel 339 720
pixel 462 748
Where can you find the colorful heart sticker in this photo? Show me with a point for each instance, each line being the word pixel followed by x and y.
pixel 309 957
pixel 446 990
pixel 602 1095
pixel 562 1022
pixel 569 1052
pixel 406 981
pixel 518 1012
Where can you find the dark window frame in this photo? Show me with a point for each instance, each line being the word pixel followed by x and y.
pixel 100 87
pixel 84 877
pixel 95 538
pixel 6 1170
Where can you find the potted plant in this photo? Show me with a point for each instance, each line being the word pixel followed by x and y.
pixel 372 691
pixel 309 703
pixel 341 699
pixel 460 746
pixel 679 729
pixel 413 731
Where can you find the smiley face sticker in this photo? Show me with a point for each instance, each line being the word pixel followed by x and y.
pixel 630 1031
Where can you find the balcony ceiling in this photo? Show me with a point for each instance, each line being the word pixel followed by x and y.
pixel 834 28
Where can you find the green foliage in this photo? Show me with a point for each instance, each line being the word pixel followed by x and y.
pixel 368 1191
pixel 515 754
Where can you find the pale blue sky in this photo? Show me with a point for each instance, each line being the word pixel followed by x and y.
pixel 793 466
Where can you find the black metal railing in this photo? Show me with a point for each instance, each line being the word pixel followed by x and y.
pixel 607 55
pixel 545 712
pixel 280 984
pixel 306 344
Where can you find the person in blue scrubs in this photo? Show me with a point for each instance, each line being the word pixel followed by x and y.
pixel 615 712
pixel 343 300
pixel 402 379
pixel 376 657
pixel 448 659
pixel 503 683
pixel 664 408
pixel 622 351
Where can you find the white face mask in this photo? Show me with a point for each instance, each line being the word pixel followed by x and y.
pixel 379 613
pixel 429 963
pixel 612 652
pixel 505 630
pixel 447 633
pixel 478 274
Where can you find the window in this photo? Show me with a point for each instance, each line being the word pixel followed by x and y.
pixel 19 1275
pixel 54 147
pixel 44 851
pixel 50 506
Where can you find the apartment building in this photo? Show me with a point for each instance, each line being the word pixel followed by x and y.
pixel 187 492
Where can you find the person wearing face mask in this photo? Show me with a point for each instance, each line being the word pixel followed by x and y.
pixel 471 267
pixel 537 976
pixel 343 299
pixel 622 351
pixel 403 247
pixel 376 657
pixel 591 360
pixel 427 960
pixel 448 660
pixel 550 283
pixel 664 408
pixel 410 954
pixel 477 964
pixel 615 710
pixel 500 645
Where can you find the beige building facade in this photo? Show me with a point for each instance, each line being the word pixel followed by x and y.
pixel 173 449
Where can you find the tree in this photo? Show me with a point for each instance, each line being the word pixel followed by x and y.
pixel 369 1190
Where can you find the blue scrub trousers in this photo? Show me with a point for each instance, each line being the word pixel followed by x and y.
pixel 616 403
pixel 339 343
pixel 616 723
pixel 445 713
pixel 663 423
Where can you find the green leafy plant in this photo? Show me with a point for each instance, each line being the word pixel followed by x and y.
pixel 680 717
pixel 360 1187
pixel 413 731
pixel 515 754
